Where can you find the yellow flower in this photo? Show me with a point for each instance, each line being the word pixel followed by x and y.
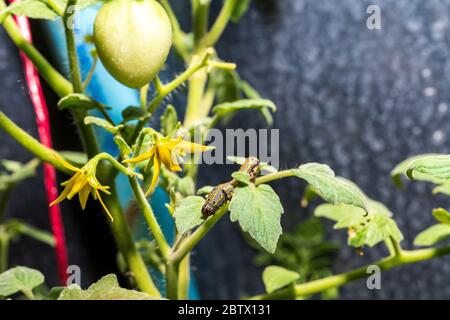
pixel 84 183
pixel 165 150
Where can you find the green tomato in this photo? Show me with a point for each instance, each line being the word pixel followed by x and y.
pixel 133 39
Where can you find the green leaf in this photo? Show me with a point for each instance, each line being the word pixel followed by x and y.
pixel 34 9
pixel 107 288
pixel 204 190
pixel 442 215
pixel 443 188
pixel 102 123
pixel 239 10
pixel 437 167
pixel 169 121
pixel 226 85
pixel 78 101
pixel 403 167
pixel 258 211
pixel 368 229
pixel 433 235
pixel 378 229
pixel 186 186
pixel 133 113
pixel 188 213
pixel 242 177
pixel 19 279
pixel 329 187
pixel 229 108
pixel 275 277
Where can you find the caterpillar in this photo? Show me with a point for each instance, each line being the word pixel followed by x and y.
pixel 224 192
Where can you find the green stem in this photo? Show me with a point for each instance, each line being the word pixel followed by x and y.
pixel 184 278
pixel 306 289
pixel 190 242
pixel 143 96
pixel 210 39
pixel 55 80
pixel 200 15
pixel 4 201
pixel 31 144
pixel 127 247
pixel 89 75
pixel 86 131
pixel 165 90
pixel 71 48
pixel 150 217
pixel 172 273
pixel 274 176
pixel 4 250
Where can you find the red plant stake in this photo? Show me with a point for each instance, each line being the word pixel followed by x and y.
pixel 43 125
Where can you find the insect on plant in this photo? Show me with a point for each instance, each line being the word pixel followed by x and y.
pixel 132 39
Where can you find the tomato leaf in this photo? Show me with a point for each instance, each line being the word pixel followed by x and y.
pixel 433 235
pixel 364 229
pixel 188 213
pixel 107 288
pixel 34 9
pixel 258 211
pixel 229 108
pixel 442 215
pixel 275 277
pixel 329 187
pixel 19 279
pixel 102 123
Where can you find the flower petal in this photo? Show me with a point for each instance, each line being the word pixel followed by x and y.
pixel 141 157
pixel 103 205
pixel 65 163
pixel 79 184
pixel 156 169
pixel 168 158
pixel 190 147
pixel 62 196
pixel 83 195
pixel 94 183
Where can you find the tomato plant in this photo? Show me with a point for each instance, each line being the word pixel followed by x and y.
pixel 133 39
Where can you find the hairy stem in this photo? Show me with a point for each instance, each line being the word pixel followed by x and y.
pixel 172 271
pixel 150 217
pixel 219 25
pixel 31 144
pixel 127 247
pixel 4 250
pixel 184 278
pixel 274 176
pixel 190 242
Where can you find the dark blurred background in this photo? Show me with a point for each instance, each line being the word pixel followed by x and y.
pixel 359 100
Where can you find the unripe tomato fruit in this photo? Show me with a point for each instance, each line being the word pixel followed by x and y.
pixel 133 39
